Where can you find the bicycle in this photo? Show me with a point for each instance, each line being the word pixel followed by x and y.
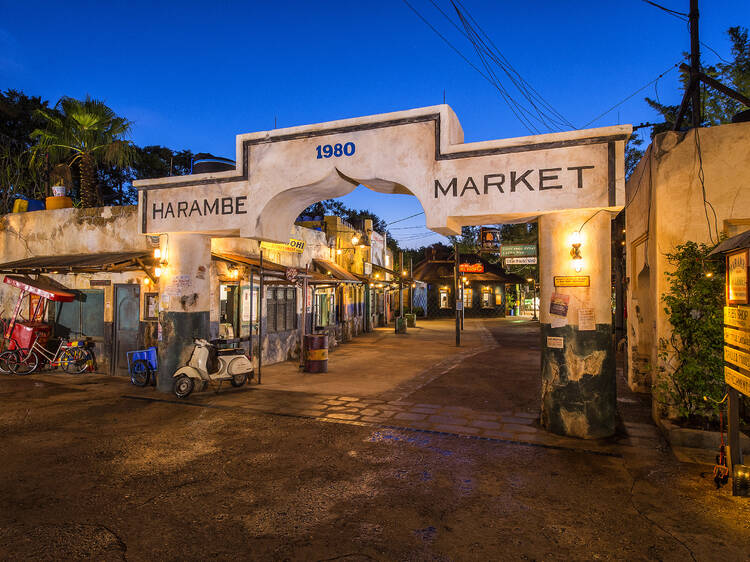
pixel 72 356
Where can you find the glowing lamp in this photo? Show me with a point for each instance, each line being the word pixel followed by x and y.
pixel 146 281
pixel 157 253
pixel 355 240
pixel 157 271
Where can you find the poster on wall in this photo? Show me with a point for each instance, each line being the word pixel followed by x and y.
pixel 247 295
pixel 737 277
pixel 558 304
pixel 377 249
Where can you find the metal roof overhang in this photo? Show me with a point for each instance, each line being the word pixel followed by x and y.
pixel 337 272
pixel 39 287
pixel 79 263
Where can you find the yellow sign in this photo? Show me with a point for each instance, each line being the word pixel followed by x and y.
pixel 737 316
pixel 294 245
pixel 737 380
pixel 737 357
pixel 572 280
pixel 737 338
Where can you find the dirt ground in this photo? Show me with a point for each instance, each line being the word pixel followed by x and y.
pixel 89 474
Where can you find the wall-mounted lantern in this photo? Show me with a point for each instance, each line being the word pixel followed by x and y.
pixel 575 251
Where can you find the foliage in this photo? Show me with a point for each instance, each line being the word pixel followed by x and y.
pixel 18 174
pixel 633 155
pixel 717 108
pixel 87 133
pixel 691 358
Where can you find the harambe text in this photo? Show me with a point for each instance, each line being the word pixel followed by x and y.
pixel 204 208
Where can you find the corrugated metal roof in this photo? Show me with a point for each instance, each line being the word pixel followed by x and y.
pixel 42 287
pixel 76 262
pixel 738 242
pixel 336 271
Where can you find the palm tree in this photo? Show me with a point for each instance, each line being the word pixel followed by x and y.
pixel 87 132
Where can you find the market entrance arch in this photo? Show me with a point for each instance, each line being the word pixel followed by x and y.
pixel 564 179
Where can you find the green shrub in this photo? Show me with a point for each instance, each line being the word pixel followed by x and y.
pixel 692 358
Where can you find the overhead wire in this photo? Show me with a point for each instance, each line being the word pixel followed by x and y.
pixel 405 218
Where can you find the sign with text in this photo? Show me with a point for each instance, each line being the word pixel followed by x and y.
pixel 521 261
pixel 737 266
pixel 555 342
pixel 294 246
pixel 558 304
pixel 471 268
pixel 517 250
pixel 490 239
pixel 737 316
pixel 737 338
pixel 572 280
pixel 737 380
pixel 737 357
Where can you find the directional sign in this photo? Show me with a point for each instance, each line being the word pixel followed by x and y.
pixel 517 250
pixel 520 261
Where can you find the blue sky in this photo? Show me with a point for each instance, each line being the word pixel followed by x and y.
pixel 194 74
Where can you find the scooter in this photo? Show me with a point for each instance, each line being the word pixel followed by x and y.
pixel 208 365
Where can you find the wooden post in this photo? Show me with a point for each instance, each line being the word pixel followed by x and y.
pixel 260 318
pixel 456 281
pixel 695 63
pixel 303 327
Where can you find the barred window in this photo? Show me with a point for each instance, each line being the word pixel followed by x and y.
pixel 281 309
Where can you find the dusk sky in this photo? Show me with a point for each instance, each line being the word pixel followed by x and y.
pixel 192 75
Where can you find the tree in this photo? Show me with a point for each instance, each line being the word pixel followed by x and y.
pixel 717 108
pixel 87 133
pixel 18 174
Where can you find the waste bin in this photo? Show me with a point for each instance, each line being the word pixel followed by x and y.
pixel 411 320
pixel 400 325
pixel 316 353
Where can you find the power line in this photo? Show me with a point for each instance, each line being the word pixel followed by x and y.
pixel 671 12
pixel 676 65
pixel 405 218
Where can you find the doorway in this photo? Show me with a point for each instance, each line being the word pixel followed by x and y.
pixel 126 326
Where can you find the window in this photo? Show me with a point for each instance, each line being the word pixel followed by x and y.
pixel 281 309
pixel 83 316
pixel 486 298
pixel 468 297
pixel 498 295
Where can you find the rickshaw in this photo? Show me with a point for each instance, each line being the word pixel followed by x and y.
pixel 25 340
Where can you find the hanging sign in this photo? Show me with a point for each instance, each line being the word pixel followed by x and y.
pixel 520 261
pixel 490 239
pixel 294 245
pixel 471 267
pixel 737 357
pixel 737 265
pixel 572 280
pixel 737 338
pixel 517 250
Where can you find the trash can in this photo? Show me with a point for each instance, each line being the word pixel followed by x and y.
pixel 411 320
pixel 400 325
pixel 316 353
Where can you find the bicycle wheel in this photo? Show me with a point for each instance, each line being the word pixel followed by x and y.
pixel 140 372
pixel 26 364
pixel 8 359
pixel 75 360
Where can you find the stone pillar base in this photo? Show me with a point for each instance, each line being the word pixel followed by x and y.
pixel 578 382
pixel 179 329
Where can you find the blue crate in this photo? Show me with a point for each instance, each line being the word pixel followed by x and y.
pixel 148 355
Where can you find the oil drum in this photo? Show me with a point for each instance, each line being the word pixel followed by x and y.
pixel 316 353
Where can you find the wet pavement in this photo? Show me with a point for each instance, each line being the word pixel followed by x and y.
pixel 95 468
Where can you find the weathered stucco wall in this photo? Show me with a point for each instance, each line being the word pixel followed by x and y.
pixel 666 209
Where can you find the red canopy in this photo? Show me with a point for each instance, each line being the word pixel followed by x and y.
pixel 39 287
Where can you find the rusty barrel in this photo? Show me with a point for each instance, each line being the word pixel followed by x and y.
pixel 316 353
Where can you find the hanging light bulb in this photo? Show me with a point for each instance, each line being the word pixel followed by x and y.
pixel 355 240
pixel 157 271
pixel 157 253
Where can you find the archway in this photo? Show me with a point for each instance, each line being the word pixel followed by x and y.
pixel 565 179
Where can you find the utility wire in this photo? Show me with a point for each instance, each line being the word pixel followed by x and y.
pixel 405 218
pixel 681 15
pixel 676 65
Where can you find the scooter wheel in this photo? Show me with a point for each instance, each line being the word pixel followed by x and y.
pixel 140 372
pixel 183 386
pixel 239 380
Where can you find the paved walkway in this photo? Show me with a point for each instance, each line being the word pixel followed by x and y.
pixel 382 375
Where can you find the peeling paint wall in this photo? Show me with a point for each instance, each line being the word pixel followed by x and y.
pixel 666 209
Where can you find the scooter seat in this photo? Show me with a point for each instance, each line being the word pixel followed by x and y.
pixel 232 351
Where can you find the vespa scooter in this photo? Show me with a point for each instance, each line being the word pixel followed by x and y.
pixel 208 365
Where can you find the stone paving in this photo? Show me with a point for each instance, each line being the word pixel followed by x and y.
pixel 510 426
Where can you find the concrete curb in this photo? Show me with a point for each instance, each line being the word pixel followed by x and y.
pixel 696 438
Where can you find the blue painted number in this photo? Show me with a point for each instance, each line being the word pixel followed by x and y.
pixel 326 150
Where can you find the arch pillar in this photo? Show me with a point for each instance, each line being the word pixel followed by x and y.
pixel 578 362
pixel 184 301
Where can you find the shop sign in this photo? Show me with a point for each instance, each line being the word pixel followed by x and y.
pixel 294 245
pixel 471 267
pixel 490 239
pixel 100 283
pixel 737 316
pixel 292 275
pixel 737 338
pixel 737 357
pixel 367 268
pixel 572 280
pixel 517 250
pixel 521 261
pixel 737 380
pixel 737 263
